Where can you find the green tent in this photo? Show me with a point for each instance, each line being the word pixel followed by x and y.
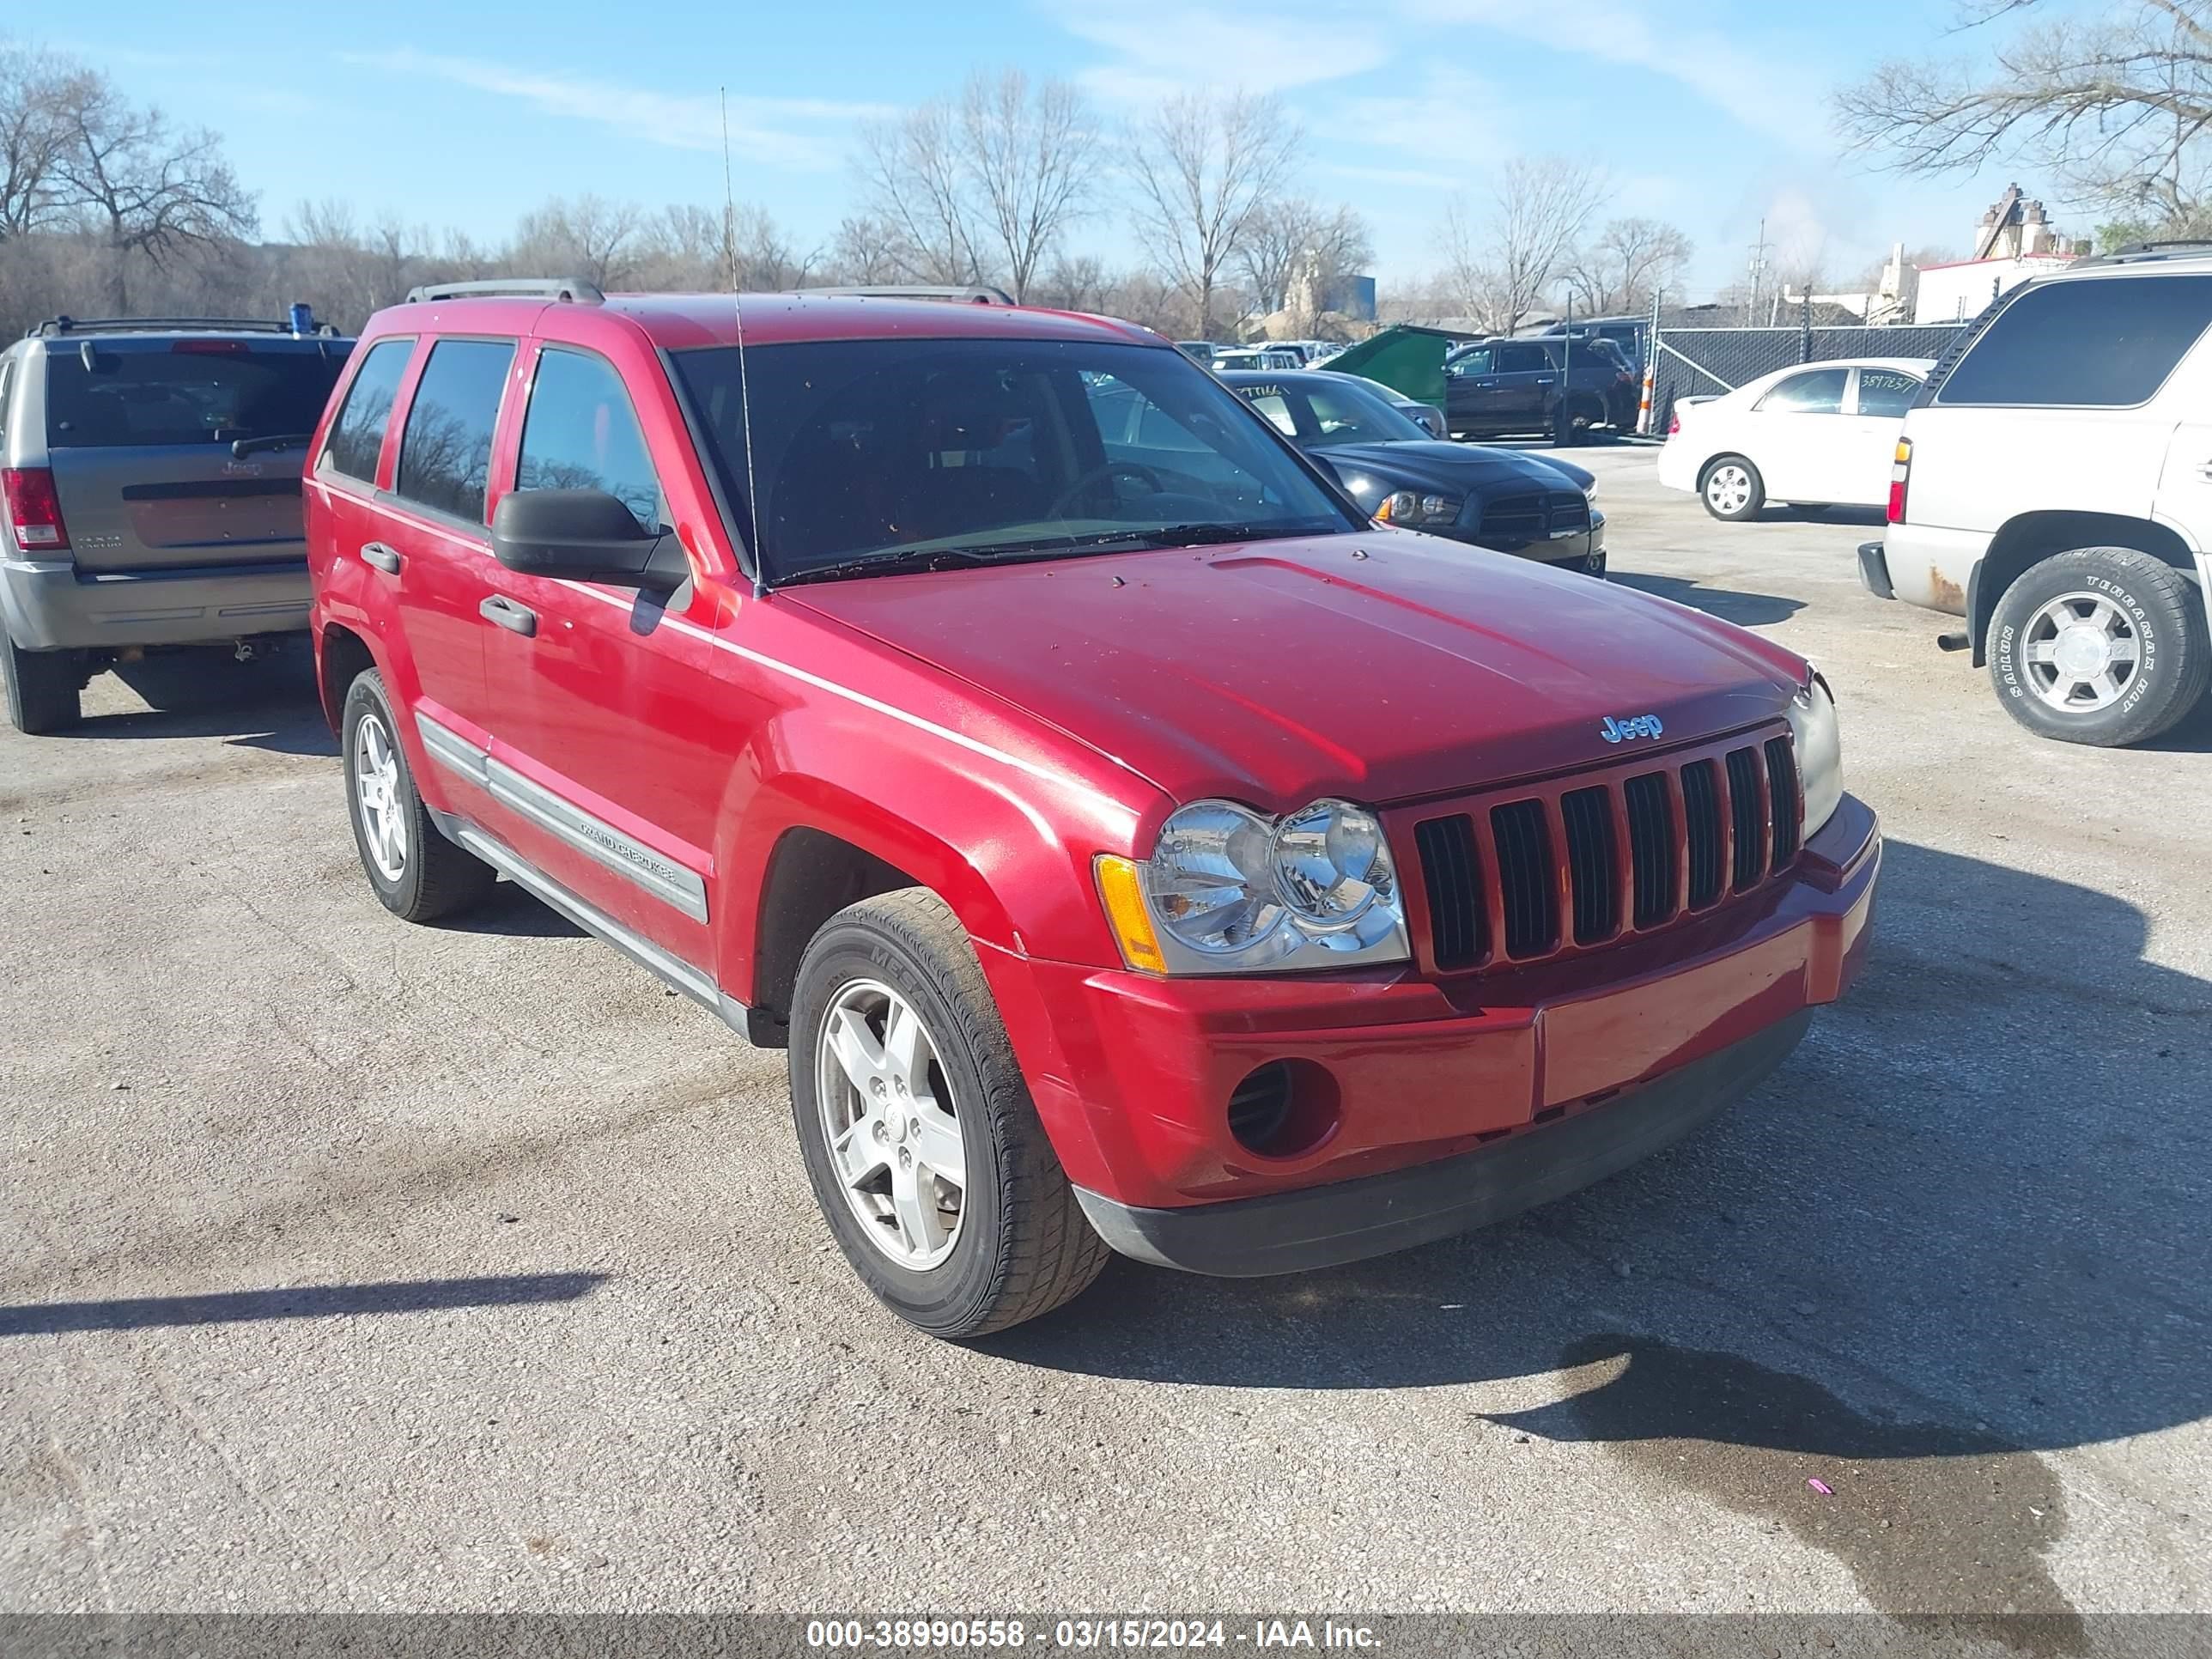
pixel 1405 357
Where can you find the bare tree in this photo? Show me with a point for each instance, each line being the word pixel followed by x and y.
pixel 865 250
pixel 1031 158
pixel 1201 168
pixel 2116 103
pixel 588 237
pixel 916 184
pixel 1294 241
pixel 1501 262
pixel 142 186
pixel 35 89
pixel 1629 261
pixel 1075 284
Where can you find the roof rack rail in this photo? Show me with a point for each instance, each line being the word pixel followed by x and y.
pixel 574 289
pixel 977 293
pixel 2178 248
pixel 54 325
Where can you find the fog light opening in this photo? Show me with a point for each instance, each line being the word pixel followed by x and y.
pixel 1284 1108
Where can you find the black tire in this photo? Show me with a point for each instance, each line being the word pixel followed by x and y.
pixel 434 878
pixel 1738 506
pixel 2159 607
pixel 45 688
pixel 1023 1246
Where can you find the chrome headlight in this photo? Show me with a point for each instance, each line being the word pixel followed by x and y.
pixel 1819 750
pixel 1229 891
pixel 1415 511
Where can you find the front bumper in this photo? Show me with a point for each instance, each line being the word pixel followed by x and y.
pixel 1578 550
pixel 49 604
pixel 1133 1074
pixel 1352 1220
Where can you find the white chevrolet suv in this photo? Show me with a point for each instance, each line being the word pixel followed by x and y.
pixel 2053 486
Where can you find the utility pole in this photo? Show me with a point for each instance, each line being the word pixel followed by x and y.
pixel 1758 273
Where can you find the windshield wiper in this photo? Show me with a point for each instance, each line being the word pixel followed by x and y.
pixel 1048 547
pixel 889 564
pixel 245 446
pixel 1201 535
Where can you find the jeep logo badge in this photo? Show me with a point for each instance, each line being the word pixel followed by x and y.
pixel 1635 726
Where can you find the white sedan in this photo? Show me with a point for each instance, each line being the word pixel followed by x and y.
pixel 1814 435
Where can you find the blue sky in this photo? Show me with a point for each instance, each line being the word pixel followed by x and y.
pixel 1707 112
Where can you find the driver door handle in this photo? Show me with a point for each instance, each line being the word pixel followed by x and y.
pixel 384 558
pixel 515 618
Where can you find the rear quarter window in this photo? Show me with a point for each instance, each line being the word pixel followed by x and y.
pixel 197 390
pixel 2103 343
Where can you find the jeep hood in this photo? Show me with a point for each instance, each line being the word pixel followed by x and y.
pixel 1274 673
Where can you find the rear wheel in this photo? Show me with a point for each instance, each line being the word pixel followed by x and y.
pixel 417 873
pixel 1732 489
pixel 918 1131
pixel 45 688
pixel 2105 646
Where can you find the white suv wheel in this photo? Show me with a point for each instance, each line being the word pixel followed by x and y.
pixel 2080 653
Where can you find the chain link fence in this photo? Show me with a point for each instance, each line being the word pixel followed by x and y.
pixel 1707 361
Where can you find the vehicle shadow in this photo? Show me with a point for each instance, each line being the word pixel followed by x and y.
pixel 512 912
pixel 1749 609
pixel 295 1302
pixel 1961 1227
pixel 1785 513
pixel 2191 736
pixel 270 704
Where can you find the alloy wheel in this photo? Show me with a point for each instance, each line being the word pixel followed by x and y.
pixel 376 795
pixel 889 1117
pixel 2080 652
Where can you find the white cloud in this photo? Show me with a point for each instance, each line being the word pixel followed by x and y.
pixel 805 133
pixel 1160 48
pixel 1770 98
pixel 1447 120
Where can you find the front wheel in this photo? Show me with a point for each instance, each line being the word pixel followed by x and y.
pixel 1732 489
pixel 2104 645
pixel 919 1135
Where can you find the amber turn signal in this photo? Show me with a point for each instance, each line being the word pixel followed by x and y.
pixel 1120 889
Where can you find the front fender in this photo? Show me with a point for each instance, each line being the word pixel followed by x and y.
pixel 1009 852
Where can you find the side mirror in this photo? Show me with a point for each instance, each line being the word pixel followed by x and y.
pixel 584 535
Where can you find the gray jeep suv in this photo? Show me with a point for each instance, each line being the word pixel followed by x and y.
pixel 149 493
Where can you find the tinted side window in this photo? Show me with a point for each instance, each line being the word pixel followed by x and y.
pixel 1522 360
pixel 1821 393
pixel 1477 362
pixel 444 449
pixel 357 434
pixel 1886 392
pixel 2105 342
pixel 581 433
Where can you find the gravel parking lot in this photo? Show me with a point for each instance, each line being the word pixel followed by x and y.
pixel 353 1265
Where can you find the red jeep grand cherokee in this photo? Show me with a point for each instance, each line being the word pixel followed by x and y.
pixel 1133 845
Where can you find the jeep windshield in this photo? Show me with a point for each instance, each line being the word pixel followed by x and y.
pixel 871 457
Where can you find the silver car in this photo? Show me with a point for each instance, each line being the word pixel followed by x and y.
pixel 149 493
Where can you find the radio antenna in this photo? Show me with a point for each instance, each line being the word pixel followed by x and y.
pixel 744 387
